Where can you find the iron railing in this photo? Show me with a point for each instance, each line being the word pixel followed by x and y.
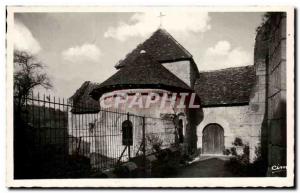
pixel 60 142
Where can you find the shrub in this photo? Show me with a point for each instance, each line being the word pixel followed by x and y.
pixel 238 142
pixel 166 166
pixel 233 151
pixel 121 171
pixel 259 166
pixel 226 152
pixel 240 165
pixel 246 150
pixel 155 142
pixel 244 158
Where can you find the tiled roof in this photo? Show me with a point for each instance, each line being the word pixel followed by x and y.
pixel 161 46
pixel 225 87
pixel 82 102
pixel 143 72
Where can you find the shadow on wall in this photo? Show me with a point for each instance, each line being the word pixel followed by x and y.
pixel 196 116
pixel 262 155
pixel 273 145
pixel 277 142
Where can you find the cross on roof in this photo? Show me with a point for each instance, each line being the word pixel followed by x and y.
pixel 161 15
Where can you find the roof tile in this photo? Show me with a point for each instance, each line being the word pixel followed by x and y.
pixel 143 72
pixel 161 46
pixel 81 100
pixel 225 87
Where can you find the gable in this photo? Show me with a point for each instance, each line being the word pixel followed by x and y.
pixel 181 69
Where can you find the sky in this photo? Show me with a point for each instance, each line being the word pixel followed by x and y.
pixel 76 47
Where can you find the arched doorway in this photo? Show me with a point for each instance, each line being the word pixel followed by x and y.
pixel 213 139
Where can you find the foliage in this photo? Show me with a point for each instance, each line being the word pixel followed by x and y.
pixel 167 164
pixel 238 142
pixel 233 151
pixel 226 152
pixel 28 74
pixel 121 171
pixel 264 21
pixel 154 141
pixel 240 164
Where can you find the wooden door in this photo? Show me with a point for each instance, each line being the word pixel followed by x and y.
pixel 213 139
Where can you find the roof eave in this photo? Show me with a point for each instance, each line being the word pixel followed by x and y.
pixel 225 104
pixel 98 92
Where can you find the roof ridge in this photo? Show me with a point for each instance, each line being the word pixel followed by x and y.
pixel 146 72
pixel 224 69
pixel 82 89
pixel 160 38
pixel 149 57
pixel 229 86
pixel 135 49
pixel 185 50
pixel 79 92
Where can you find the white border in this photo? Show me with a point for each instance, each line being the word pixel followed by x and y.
pixel 161 182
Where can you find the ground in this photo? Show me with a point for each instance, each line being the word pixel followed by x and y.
pixel 211 167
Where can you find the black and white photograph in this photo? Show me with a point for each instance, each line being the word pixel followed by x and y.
pixel 150 96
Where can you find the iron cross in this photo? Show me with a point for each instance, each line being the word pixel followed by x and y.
pixel 161 15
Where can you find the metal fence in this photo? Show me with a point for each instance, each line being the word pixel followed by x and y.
pixel 60 143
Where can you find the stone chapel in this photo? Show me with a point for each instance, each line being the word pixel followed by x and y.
pixel 235 103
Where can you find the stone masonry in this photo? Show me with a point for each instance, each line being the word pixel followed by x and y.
pixel 277 93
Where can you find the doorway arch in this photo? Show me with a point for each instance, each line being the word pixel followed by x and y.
pixel 213 139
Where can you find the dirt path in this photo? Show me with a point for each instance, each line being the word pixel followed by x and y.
pixel 213 167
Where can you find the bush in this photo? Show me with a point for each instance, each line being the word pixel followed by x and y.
pixel 154 142
pixel 226 152
pixel 167 165
pixel 240 164
pixel 259 166
pixel 238 142
pixel 121 171
pixel 233 151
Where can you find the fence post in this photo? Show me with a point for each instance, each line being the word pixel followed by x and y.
pixel 144 145
pixel 128 145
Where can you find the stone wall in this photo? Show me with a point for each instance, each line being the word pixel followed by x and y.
pixel 99 136
pixel 153 110
pixel 103 141
pixel 262 123
pixel 186 70
pixel 260 62
pixel 237 122
pixel 277 93
pixel 246 122
pixel 181 69
pixel 158 121
pixel 270 53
